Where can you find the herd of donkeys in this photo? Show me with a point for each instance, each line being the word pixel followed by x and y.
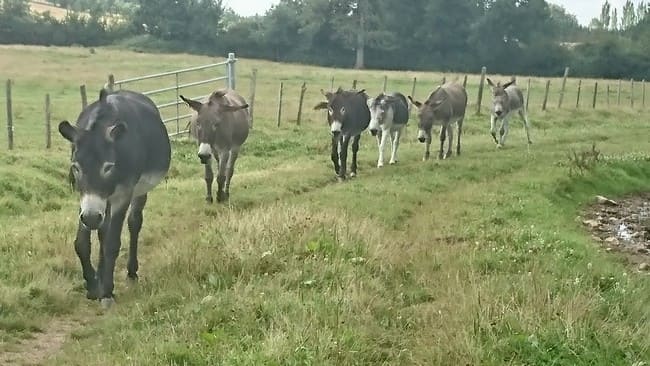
pixel 121 151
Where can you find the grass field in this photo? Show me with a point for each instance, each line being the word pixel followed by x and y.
pixel 476 260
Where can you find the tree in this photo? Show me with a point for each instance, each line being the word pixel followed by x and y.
pixel 628 18
pixel 605 17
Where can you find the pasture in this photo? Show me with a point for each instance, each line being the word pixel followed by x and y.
pixel 476 260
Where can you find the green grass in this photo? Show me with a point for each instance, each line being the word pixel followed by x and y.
pixel 474 260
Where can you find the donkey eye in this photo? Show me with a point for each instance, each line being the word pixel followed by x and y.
pixel 107 168
pixel 330 111
pixel 342 110
pixel 76 169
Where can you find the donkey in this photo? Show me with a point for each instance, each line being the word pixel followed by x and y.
pixel 506 98
pixel 120 152
pixel 221 127
pixel 445 107
pixel 389 113
pixel 348 116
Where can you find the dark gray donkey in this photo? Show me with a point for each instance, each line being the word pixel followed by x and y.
pixel 120 152
pixel 506 98
pixel 221 127
pixel 445 106
pixel 389 113
pixel 348 116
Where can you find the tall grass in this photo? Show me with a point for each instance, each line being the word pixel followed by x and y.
pixel 475 260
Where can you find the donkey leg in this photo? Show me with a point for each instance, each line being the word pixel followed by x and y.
pixel 209 178
pixel 355 150
pixel 345 141
pixel 450 141
pixel 524 117
pixel 427 147
pixel 134 222
pixel 385 135
pixel 224 156
pixel 393 155
pixel 82 247
pixel 111 248
pixel 443 136
pixel 493 129
pixel 335 153
pixel 460 132
pixel 234 153
pixel 503 132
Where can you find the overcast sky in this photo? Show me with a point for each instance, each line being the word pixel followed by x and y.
pixel 585 10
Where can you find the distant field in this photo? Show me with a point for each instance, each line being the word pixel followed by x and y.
pixel 479 259
pixel 55 11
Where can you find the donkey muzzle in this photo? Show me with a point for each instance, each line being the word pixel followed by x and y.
pixel 374 132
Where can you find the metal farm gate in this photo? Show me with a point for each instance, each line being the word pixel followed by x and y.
pixel 173 110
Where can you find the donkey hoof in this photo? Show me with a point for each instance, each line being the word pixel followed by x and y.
pixel 222 197
pixel 209 199
pixel 530 142
pixel 340 179
pixel 107 303
pixel 393 162
pixel 499 146
pixel 353 174
pixel 380 165
pixel 132 279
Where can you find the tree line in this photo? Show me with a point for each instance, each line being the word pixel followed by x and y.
pixel 508 36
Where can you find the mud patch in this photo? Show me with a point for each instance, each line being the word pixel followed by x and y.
pixel 40 346
pixel 622 226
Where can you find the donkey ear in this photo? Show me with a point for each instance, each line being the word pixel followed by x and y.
pixel 115 132
pixel 192 103
pixel 508 84
pixel 321 105
pixel 103 93
pixel 490 82
pixel 68 131
pixel 415 103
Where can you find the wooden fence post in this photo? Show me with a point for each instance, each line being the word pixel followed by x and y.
pixel 632 93
pixel 465 81
pixel 251 100
pixel 354 84
pixel 332 84
pixel 303 89
pixel 444 79
pixel 643 93
pixel 480 90
pixel 595 95
pixel 280 102
pixel 618 97
pixel 111 82
pixel 385 83
pixel 566 74
pixel 527 93
pixel 548 85
pixel 84 97
pixel 415 81
pixel 48 122
pixel 10 121
pixel 579 89
pixel 608 92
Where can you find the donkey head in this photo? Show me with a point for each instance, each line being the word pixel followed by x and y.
pixel 500 99
pixel 380 111
pixel 210 116
pixel 428 112
pixel 337 104
pixel 95 169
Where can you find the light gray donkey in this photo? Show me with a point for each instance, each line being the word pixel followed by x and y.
pixel 389 114
pixel 445 107
pixel 221 127
pixel 506 98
